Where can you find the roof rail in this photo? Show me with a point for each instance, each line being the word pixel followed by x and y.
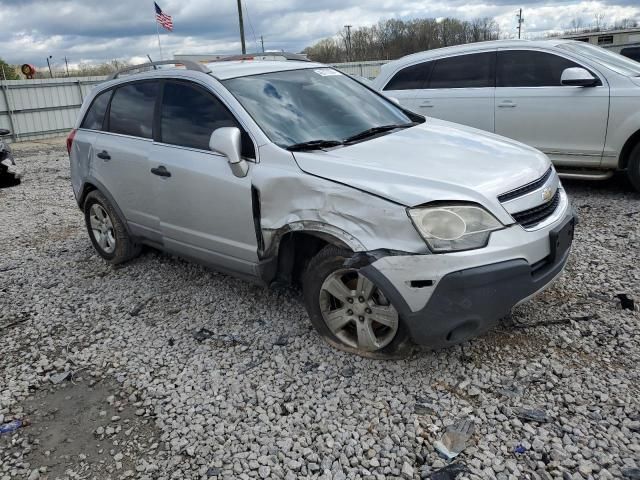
pixel 252 56
pixel 189 65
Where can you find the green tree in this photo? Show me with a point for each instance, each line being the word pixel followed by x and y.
pixel 10 72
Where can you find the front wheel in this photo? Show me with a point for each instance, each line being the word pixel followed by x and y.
pixel 633 169
pixel 349 311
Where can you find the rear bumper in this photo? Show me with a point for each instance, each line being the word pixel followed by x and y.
pixel 467 302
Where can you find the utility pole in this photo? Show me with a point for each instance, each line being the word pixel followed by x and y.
pixel 520 22
pixel 262 43
pixel 49 65
pixel 244 49
pixel 66 62
pixel 348 27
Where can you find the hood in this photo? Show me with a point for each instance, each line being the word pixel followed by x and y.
pixel 436 160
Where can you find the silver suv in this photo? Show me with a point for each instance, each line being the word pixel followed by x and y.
pixel 400 230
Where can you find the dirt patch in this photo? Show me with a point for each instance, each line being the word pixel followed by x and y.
pixel 86 430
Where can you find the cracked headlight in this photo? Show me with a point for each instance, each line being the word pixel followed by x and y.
pixel 454 228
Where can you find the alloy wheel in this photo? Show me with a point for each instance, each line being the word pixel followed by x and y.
pixel 102 228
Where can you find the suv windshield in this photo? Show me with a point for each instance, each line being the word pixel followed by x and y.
pixel 314 105
pixel 609 59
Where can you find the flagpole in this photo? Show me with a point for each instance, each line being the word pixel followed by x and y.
pixel 158 33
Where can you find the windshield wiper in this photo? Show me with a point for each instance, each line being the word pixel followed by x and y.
pixel 313 145
pixel 375 130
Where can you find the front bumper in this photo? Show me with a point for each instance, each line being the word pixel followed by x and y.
pixel 461 295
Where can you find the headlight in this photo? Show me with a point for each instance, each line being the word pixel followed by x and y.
pixel 454 228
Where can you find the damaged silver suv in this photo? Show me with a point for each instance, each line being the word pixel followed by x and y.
pixel 401 230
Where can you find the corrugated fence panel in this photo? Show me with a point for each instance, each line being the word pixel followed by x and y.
pixel 48 107
pixel 43 107
pixel 368 70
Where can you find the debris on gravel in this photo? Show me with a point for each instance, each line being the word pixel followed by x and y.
pixel 175 371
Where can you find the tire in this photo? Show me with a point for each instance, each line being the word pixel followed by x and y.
pixel 354 327
pixel 109 237
pixel 633 169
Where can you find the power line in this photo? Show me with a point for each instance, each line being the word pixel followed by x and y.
pixel 246 9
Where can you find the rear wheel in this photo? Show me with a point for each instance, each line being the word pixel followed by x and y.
pixel 107 231
pixel 633 169
pixel 349 310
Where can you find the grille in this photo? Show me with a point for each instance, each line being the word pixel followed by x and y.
pixel 533 216
pixel 530 187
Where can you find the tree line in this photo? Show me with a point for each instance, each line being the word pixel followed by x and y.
pixel 394 38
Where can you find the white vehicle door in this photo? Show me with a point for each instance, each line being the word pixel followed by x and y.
pixel 461 89
pixel 406 84
pixel 568 123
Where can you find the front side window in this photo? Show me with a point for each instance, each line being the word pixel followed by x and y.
pixel 464 71
pixel 410 78
pixel 189 115
pixel 297 106
pixel 132 108
pixel 95 115
pixel 528 68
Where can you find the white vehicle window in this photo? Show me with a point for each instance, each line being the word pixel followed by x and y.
pixel 410 78
pixel 609 59
pixel 464 71
pixel 308 105
pixel 529 68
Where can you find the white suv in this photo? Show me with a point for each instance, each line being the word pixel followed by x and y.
pixel 399 229
pixel 578 103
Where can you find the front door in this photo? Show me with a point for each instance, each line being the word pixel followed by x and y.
pixel 205 210
pixel 567 123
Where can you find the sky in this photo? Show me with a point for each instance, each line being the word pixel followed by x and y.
pixel 94 31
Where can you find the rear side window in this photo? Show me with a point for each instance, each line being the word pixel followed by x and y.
pixel 190 115
pixel 631 52
pixel 526 68
pixel 464 71
pixel 410 78
pixel 132 107
pixel 95 115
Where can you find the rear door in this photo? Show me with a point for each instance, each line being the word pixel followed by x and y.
pixel 406 83
pixel 461 89
pixel 205 210
pixel 568 123
pixel 121 155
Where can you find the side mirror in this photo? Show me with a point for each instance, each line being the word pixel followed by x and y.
pixel 3 132
pixel 577 77
pixel 227 141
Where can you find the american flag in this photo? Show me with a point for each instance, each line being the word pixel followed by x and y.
pixel 163 19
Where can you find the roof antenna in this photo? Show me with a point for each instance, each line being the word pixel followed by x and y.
pixel 151 61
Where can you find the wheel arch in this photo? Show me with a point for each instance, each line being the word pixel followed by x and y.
pixel 91 184
pixel 294 245
pixel 625 153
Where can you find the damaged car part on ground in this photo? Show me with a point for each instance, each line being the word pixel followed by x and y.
pixel 401 230
pixel 9 173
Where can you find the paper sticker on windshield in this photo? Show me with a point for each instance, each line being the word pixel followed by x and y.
pixel 327 72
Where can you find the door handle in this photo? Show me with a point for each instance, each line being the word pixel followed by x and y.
pixel 104 155
pixel 161 171
pixel 426 104
pixel 506 105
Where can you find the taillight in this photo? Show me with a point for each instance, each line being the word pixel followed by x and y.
pixel 70 138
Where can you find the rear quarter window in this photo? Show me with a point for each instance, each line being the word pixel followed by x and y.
pixel 410 78
pixel 94 118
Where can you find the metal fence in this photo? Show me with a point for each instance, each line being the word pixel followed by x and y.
pixel 33 109
pixel 368 70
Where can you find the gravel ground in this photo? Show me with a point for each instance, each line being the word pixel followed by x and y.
pixel 145 392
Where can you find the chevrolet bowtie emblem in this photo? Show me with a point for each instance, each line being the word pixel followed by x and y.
pixel 547 194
